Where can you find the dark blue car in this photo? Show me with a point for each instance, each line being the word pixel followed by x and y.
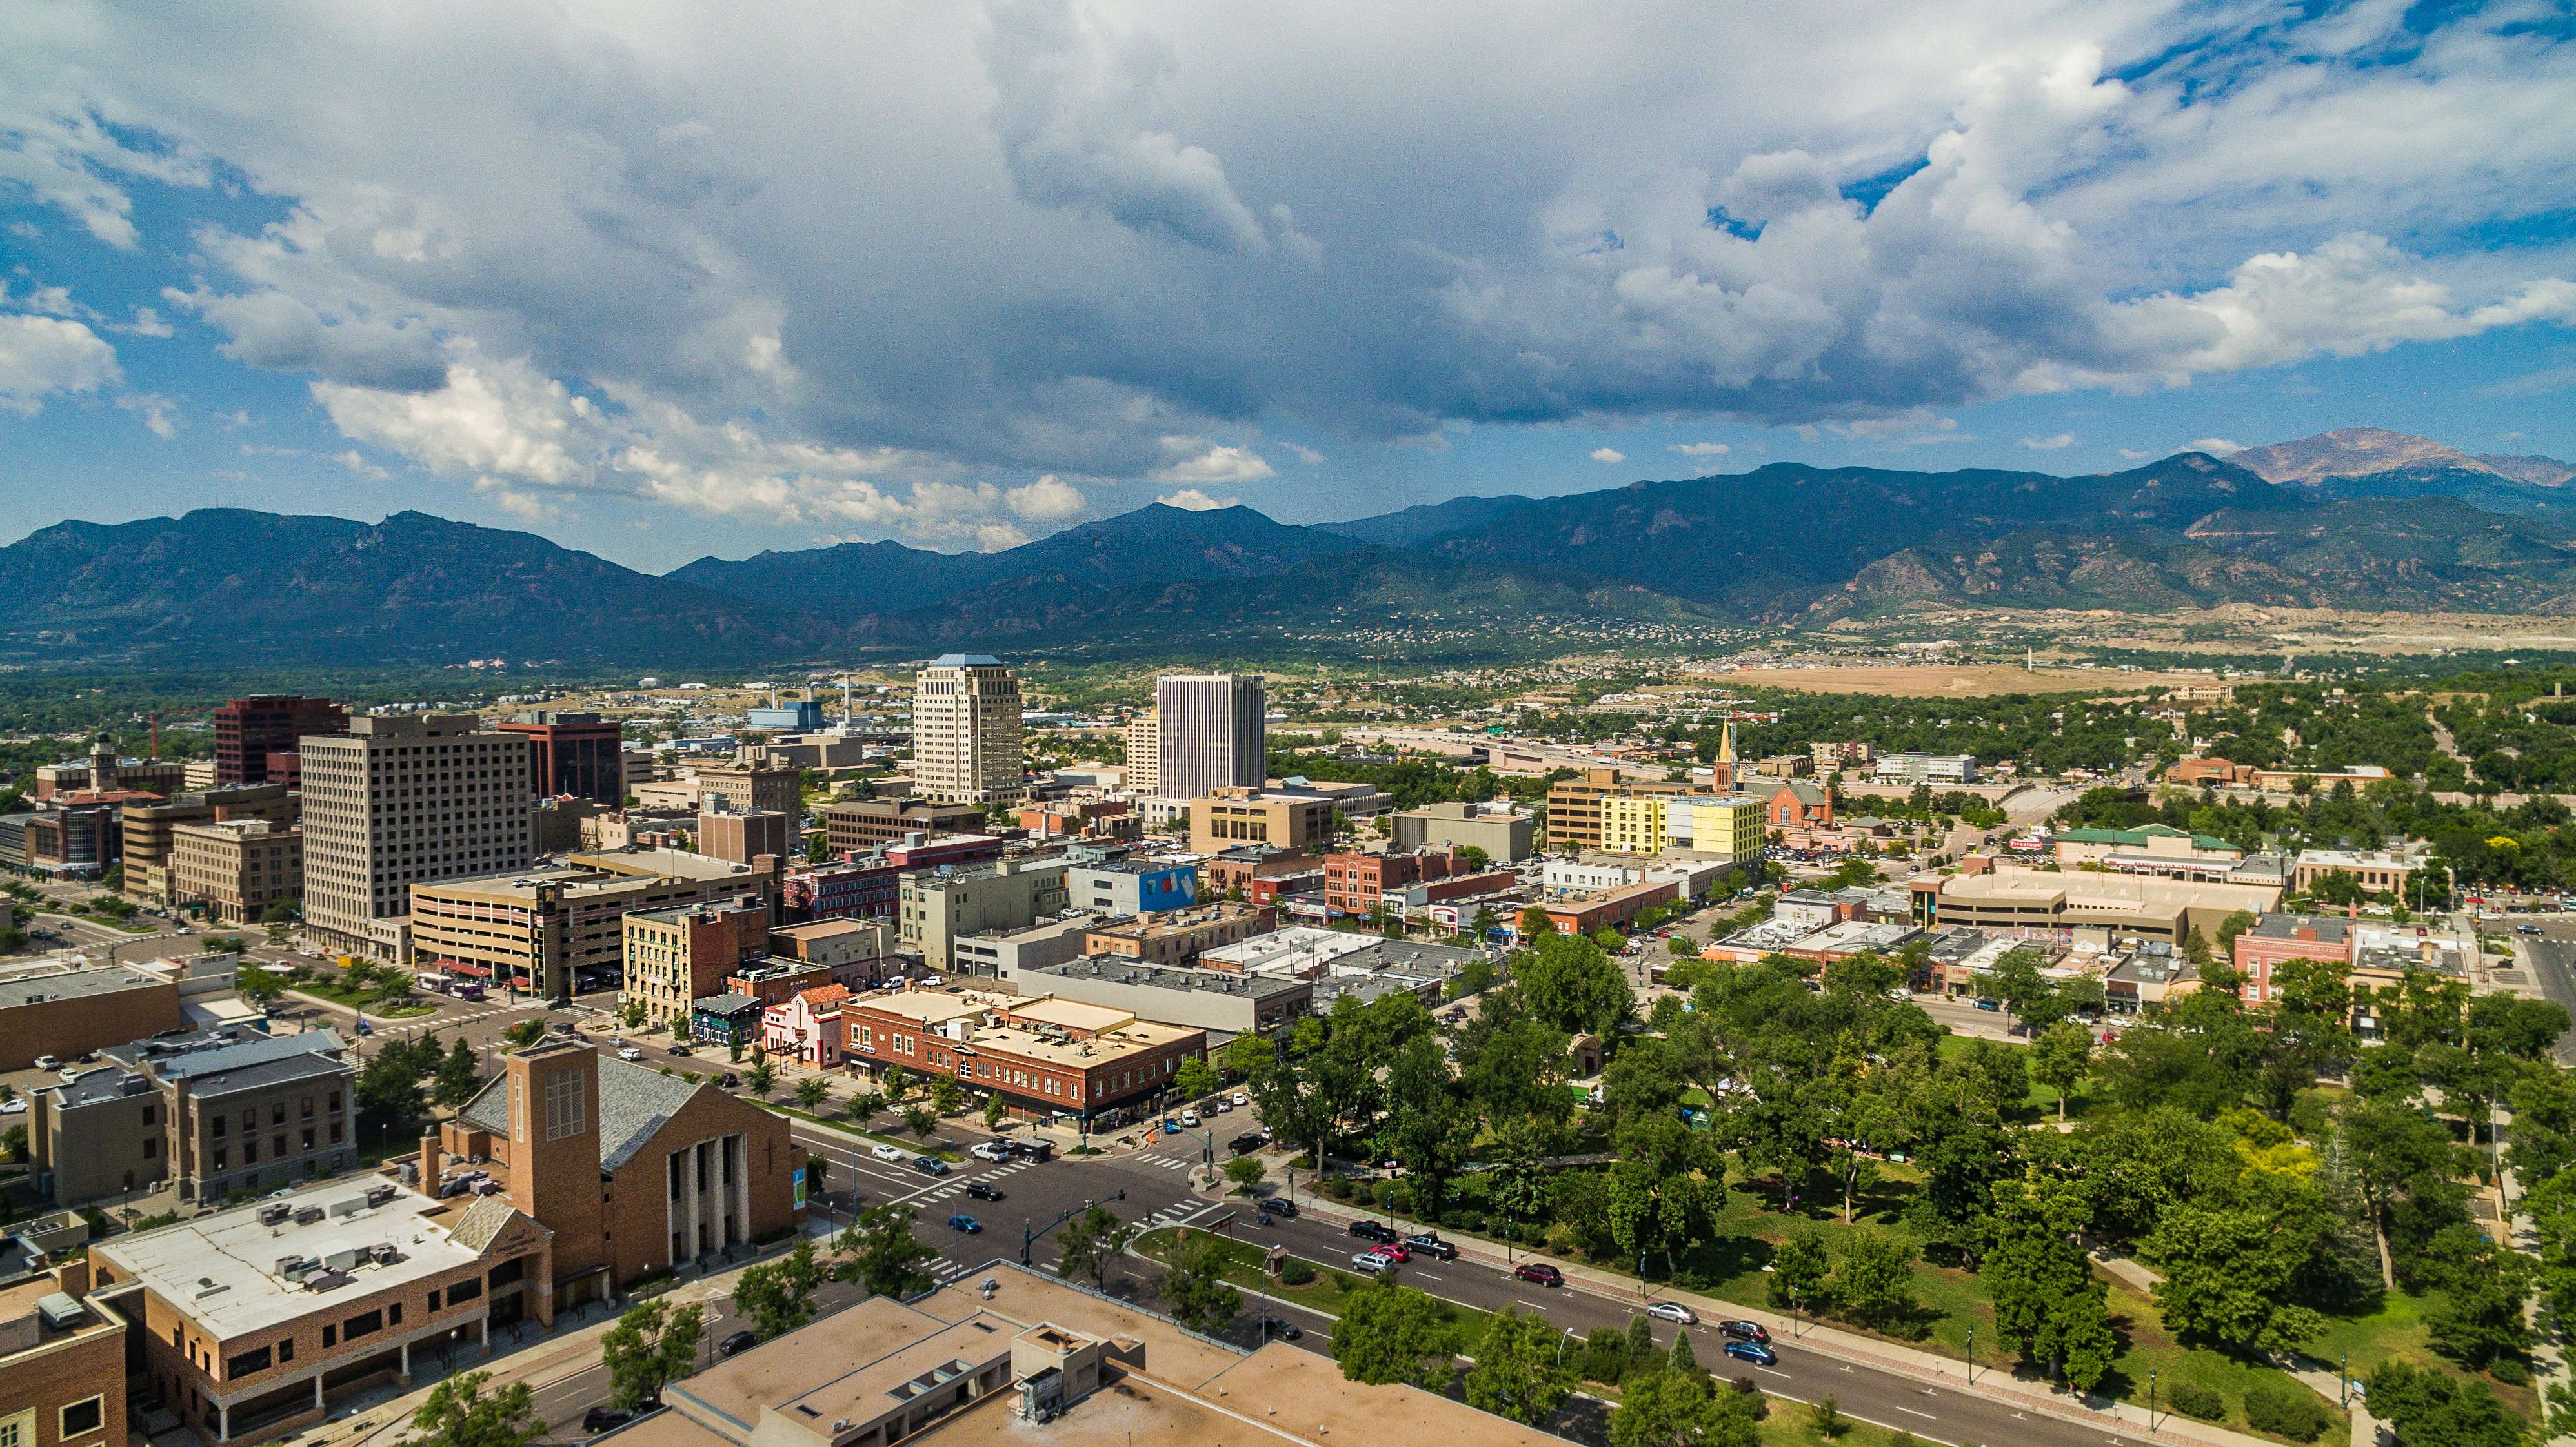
pixel 967 1224
pixel 1754 1352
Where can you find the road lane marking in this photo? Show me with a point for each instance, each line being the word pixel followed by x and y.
pixel 1760 1368
pixel 1926 1416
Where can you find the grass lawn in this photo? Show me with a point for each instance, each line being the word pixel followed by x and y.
pixel 2145 1347
pixel 913 1147
pixel 364 1000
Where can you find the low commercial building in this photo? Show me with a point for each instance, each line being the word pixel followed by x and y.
pixel 806 1026
pixel 2050 906
pixel 1008 955
pixel 62 1362
pixel 1043 1055
pixel 66 1010
pixel 743 835
pixel 859 825
pixel 1132 886
pixel 2377 871
pixel 1226 818
pixel 1222 1002
pixel 2149 849
pixel 836 944
pixel 551 930
pixel 1938 770
pixel 1299 951
pixel 1241 867
pixel 1611 909
pixel 1178 937
pixel 732 1021
pixel 936 908
pixel 840 891
pixel 1354 882
pixel 2289 781
pixel 2277 939
pixel 236 871
pixel 675 956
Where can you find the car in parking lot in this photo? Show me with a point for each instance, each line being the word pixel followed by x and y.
pixel 989 1151
pixel 1673 1311
pixel 1241 1099
pixel 1280 1206
pixel 1754 1352
pixel 886 1153
pixel 983 1192
pixel 1371 1262
pixel 965 1223
pixel 1430 1244
pixel 1743 1330
pixel 930 1165
pixel 49 1062
pixel 1368 1230
pixel 1223 1106
pixel 738 1343
pixel 1540 1272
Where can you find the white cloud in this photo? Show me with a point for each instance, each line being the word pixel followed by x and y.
pixel 1608 454
pixel 2133 454
pixel 1197 460
pixel 1049 499
pixel 1306 455
pixel 42 357
pixel 159 413
pixel 1700 449
pixel 2049 444
pixel 356 462
pixel 2217 446
pixel 1194 500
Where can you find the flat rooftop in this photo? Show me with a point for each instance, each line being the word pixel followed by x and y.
pixel 30 989
pixel 1294 947
pixel 1120 970
pixel 220 1271
pixel 822 929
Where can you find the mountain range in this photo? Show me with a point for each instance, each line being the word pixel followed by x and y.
pixel 2358 518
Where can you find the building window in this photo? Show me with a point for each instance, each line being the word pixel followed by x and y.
pixel 82 1418
pixel 393 1313
pixel 151 1147
pixel 330 1336
pixel 563 1104
pixel 286 1350
pixel 365 1323
pixel 433 1298
pixel 254 1360
pixel 463 1291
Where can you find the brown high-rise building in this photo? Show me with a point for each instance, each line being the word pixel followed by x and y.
pixel 572 753
pixel 743 835
pixel 248 730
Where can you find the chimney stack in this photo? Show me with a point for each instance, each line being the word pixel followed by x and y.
pixel 429 1161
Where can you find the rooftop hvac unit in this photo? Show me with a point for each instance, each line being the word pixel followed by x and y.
pixel 292 1267
pixel 385 1253
pixel 270 1215
pixel 307 1215
pixel 378 1195
pixel 325 1280
pixel 345 1257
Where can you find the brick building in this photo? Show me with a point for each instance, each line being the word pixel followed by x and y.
pixel 248 730
pixel 572 753
pixel 62 1362
pixel 236 870
pixel 680 954
pixel 1042 1054
pixel 148 825
pixel 1353 881
pixel 1798 804
pixel 48 1009
pixel 743 835
pixel 1177 937
pixel 859 825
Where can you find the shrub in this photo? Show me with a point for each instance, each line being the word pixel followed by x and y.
pixel 1338 1187
pixel 1605 1355
pixel 2510 1372
pixel 1463 1218
pixel 1293 1272
pixel 2194 1400
pixel 2292 1412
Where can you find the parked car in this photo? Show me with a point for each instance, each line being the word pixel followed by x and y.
pixel 682 1048
pixel 1223 1106
pixel 1754 1352
pixel 930 1165
pixel 567 1027
pixel 738 1343
pixel 1673 1311
pixel 1743 1330
pixel 1371 1262
pixel 49 1062
pixel 1540 1272
pixel 1986 1004
pixel 729 1080
pixel 983 1192
pixel 1190 1119
pixel 1430 1244
pixel 1248 1141
pixel 990 1150
pixel 965 1223
pixel 1394 1251
pixel 600 1419
pixel 1280 1328
pixel 1241 1099
pixel 1372 1230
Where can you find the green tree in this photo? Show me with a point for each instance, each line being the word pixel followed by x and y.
pixel 2227 1276
pixel 525 1034
pixel 921 1120
pixel 2047 1301
pixel 650 1346
pixel 1682 1409
pixel 1516 1375
pixel 1195 1079
pixel 1392 1333
pixel 1826 1415
pixel 896 1083
pixel 810 1091
pixel 778 1296
pixel 388 1092
pixel 761 1077
pixel 257 985
pixel 995 1107
pixel 2019 982
pixel 1643 1355
pixel 886 1256
pixel 1874 1281
pixel 1535 924
pixel 2060 1058
pixel 1194 1283
pixel 946 1097
pixel 460 1414
pixel 459 1076
pixel 2435 1409
pixel 1089 1244
pixel 1799 1270
pixel 1246 1173
pixel 2478 1317
pixel 1429 1122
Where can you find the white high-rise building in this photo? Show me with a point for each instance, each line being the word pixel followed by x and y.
pixel 1144 755
pixel 402 798
pixel 1211 733
pixel 966 731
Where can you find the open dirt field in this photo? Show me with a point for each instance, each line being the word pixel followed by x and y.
pixel 1932 680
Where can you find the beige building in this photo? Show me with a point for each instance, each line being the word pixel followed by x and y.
pixel 966 731
pixel 2037 903
pixel 149 828
pixel 215 1112
pixel 1233 817
pixel 1177 937
pixel 1144 754
pixel 1210 733
pixel 936 908
pixel 741 836
pixel 685 953
pixel 548 930
pixel 1505 834
pixel 750 782
pixel 406 799
pixel 236 870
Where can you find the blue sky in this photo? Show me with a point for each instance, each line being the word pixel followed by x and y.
pixel 659 284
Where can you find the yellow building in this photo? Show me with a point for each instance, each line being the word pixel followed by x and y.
pixel 1634 826
pixel 1730 826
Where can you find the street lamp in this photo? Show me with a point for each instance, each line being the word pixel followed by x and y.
pixel 1560 1347
pixel 1972 1354
pixel 2151 1399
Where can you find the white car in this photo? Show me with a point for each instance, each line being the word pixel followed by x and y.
pixel 1242 1099
pixel 889 1153
pixel 1673 1311
pixel 630 1053
pixel 1189 1117
pixel 989 1151
pixel 49 1062
pixel 1223 1106
pixel 14 1105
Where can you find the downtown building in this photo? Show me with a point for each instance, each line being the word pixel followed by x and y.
pixel 572 754
pixel 1209 733
pixel 248 730
pixel 406 799
pixel 966 731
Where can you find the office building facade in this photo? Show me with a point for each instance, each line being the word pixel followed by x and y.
pixel 1144 755
pixel 572 753
pixel 237 870
pixel 248 730
pixel 405 799
pixel 1210 733
pixel 966 730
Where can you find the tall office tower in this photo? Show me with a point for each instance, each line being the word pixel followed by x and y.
pixel 572 753
pixel 966 731
pixel 248 730
pixel 403 798
pixel 1210 733
pixel 1145 755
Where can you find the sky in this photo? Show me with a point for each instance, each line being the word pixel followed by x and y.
pixel 668 280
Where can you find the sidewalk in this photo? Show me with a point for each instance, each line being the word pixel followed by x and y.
pixel 1992 1383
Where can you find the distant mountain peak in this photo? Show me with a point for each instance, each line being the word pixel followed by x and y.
pixel 2352 452
pixel 2538 471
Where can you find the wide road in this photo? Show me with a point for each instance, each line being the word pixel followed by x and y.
pixel 2551 957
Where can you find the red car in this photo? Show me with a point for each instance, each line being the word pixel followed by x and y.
pixel 1540 1272
pixel 1393 1251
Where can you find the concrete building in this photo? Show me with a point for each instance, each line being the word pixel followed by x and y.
pixel 148 825
pixel 214 1112
pixel 741 836
pixel 248 730
pixel 1507 835
pixel 1177 938
pixel 1726 826
pixel 2377 871
pixel 550 930
pixel 1044 1056
pixel 576 754
pixel 2156 849
pixel 936 908
pixel 1634 826
pixel 1223 1003
pixel 630 1171
pixel 750 783
pixel 795 715
pixel 62 1362
pixel 835 944
pixel 68 1009
pixel 1937 770
pixel 1132 886
pixel 1009 954
pixel 855 826
pixel 1231 817
pixel 236 870
pixel 1210 733
pixel 1575 806
pixel 406 799
pixel 966 730
pixel 676 955
pixel 1299 951
pixel 2052 905
pixel 1145 754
